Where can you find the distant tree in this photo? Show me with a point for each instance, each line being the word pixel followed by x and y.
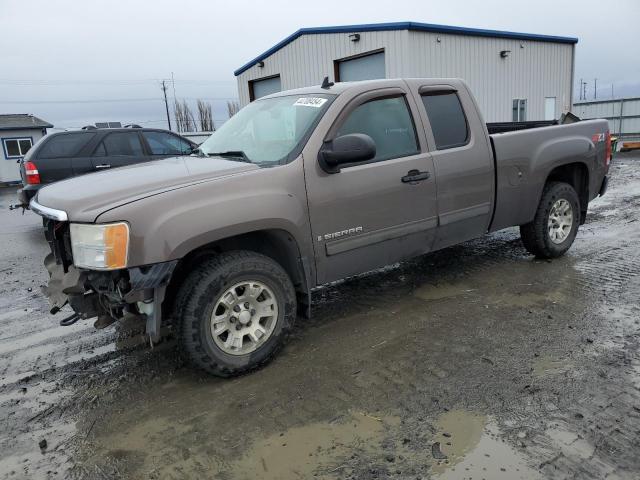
pixel 233 107
pixel 185 121
pixel 205 117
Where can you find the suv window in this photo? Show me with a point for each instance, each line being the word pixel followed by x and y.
pixel 64 145
pixel 120 144
pixel 447 119
pixel 162 143
pixel 388 122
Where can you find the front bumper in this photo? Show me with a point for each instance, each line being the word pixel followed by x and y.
pixel 92 293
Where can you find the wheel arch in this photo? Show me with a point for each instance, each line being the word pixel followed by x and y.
pixel 275 243
pixel 575 174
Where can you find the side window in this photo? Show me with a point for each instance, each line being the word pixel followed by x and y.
pixel 121 144
pixel 447 119
pixel 162 143
pixel 64 144
pixel 388 122
pixel 100 151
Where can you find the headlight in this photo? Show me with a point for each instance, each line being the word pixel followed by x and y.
pixel 100 247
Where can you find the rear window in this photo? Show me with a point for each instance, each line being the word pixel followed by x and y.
pixel 447 119
pixel 64 145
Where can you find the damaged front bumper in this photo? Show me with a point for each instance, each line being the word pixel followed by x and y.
pixel 90 293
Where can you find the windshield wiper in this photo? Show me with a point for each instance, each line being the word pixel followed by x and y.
pixel 239 154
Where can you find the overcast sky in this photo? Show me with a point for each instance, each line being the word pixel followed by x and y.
pixel 76 62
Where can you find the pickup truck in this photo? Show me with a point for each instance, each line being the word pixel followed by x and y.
pixel 299 189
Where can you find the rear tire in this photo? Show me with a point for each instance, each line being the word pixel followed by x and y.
pixel 555 225
pixel 234 312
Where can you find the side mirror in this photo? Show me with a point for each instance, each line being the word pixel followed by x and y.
pixel 350 148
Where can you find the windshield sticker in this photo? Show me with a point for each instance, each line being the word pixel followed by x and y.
pixel 315 102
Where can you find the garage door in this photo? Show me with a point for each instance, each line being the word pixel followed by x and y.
pixel 260 88
pixel 368 67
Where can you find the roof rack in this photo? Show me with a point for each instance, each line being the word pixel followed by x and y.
pixel 89 127
pixel 132 125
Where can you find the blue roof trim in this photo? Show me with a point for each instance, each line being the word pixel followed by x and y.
pixel 422 27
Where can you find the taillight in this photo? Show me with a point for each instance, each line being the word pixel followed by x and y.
pixel 608 151
pixel 31 172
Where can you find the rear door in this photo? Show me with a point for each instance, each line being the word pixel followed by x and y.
pixel 462 158
pixel 164 144
pixel 118 149
pixel 372 214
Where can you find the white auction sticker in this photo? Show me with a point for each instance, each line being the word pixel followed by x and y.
pixel 315 102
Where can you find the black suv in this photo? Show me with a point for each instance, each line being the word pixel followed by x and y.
pixel 66 154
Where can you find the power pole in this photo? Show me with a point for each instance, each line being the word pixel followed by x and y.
pixel 581 89
pixel 595 88
pixel 166 103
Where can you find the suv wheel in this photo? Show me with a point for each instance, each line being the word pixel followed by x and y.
pixel 235 312
pixel 555 226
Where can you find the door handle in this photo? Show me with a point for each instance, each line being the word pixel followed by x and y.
pixel 415 176
pixel 104 165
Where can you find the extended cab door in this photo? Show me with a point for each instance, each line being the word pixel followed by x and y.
pixel 462 158
pixel 379 212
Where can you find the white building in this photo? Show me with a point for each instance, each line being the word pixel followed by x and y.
pixel 623 115
pixel 18 133
pixel 515 76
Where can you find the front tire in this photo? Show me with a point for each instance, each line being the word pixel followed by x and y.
pixel 235 312
pixel 555 225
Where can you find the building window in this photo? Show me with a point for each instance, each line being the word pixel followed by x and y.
pixel 366 66
pixel 16 147
pixel 262 87
pixel 447 119
pixel 520 110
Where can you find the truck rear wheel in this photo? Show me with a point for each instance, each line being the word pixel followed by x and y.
pixel 555 226
pixel 235 312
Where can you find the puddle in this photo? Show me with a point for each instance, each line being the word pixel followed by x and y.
pixel 441 291
pixel 546 365
pixel 302 452
pixel 473 447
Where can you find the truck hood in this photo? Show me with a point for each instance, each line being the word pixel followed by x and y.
pixel 85 197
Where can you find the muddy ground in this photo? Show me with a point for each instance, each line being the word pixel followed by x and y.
pixel 474 362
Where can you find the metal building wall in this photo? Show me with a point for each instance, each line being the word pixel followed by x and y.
pixel 623 114
pixel 533 70
pixel 309 58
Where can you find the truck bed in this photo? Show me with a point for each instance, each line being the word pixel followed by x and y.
pixel 524 159
pixel 504 127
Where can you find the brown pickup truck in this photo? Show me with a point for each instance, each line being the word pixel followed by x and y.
pixel 302 188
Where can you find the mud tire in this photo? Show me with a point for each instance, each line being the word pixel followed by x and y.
pixel 197 297
pixel 535 235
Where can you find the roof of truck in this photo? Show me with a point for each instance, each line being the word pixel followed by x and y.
pixel 414 26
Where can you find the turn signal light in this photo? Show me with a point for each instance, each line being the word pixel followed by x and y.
pixel 608 154
pixel 32 174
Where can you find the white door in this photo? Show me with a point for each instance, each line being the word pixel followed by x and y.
pixel 550 108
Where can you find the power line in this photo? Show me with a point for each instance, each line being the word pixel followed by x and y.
pixel 109 100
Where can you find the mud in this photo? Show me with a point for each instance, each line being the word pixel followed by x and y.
pixel 474 362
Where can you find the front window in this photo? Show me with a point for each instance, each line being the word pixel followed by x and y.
pixel 268 131
pixel 16 147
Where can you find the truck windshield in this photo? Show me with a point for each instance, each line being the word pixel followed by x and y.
pixel 267 131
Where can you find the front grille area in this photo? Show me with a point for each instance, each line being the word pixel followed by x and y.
pixel 59 238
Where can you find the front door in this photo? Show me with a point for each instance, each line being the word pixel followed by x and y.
pixel 118 149
pixel 376 213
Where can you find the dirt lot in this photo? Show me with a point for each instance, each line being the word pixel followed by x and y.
pixel 474 362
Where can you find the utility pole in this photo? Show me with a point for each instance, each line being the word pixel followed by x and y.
pixel 581 89
pixel 166 103
pixel 595 88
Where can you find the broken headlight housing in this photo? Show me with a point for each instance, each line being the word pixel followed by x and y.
pixel 100 246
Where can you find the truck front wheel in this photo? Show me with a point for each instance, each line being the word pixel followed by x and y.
pixel 235 312
pixel 555 226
